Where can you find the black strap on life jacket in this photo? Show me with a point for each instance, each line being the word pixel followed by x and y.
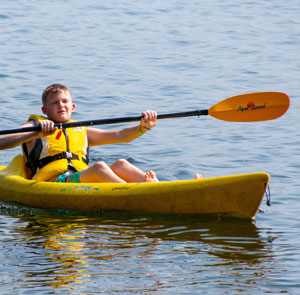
pixel 33 165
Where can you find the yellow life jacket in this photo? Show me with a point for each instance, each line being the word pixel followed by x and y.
pixel 52 155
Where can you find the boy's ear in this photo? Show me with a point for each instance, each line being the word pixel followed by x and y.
pixel 44 110
pixel 73 107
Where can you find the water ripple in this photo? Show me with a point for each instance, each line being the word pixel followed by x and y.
pixel 119 58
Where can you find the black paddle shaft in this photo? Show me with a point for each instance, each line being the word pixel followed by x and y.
pixel 107 121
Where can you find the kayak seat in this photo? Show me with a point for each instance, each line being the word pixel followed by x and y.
pixel 17 167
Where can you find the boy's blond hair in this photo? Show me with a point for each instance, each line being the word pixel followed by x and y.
pixel 54 88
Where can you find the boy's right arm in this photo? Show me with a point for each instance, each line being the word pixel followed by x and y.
pixel 13 140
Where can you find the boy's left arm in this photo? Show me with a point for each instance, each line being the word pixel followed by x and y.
pixel 100 137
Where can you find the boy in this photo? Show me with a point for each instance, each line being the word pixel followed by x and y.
pixel 59 155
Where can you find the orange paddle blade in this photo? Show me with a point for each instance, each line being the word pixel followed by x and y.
pixel 260 106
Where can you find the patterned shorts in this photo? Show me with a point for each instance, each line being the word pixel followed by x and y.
pixel 73 178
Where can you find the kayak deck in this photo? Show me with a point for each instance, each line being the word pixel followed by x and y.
pixel 233 196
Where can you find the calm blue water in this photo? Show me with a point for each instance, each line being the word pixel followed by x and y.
pixel 119 58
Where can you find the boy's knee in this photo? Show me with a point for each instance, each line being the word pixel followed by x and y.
pixel 100 165
pixel 121 162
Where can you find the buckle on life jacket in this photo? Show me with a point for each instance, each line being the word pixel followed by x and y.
pixel 69 155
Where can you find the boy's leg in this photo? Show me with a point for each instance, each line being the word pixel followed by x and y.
pixel 100 172
pixel 119 172
pixel 127 171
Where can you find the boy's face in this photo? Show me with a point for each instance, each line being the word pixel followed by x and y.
pixel 59 106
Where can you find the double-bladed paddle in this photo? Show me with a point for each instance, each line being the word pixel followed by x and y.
pixel 251 107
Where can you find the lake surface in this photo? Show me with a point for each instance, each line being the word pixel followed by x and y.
pixel 118 59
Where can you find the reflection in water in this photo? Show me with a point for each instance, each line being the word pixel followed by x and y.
pixel 116 252
pixel 65 261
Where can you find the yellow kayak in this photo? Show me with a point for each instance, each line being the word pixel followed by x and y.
pixel 233 196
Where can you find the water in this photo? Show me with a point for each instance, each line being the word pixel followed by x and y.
pixel 119 58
